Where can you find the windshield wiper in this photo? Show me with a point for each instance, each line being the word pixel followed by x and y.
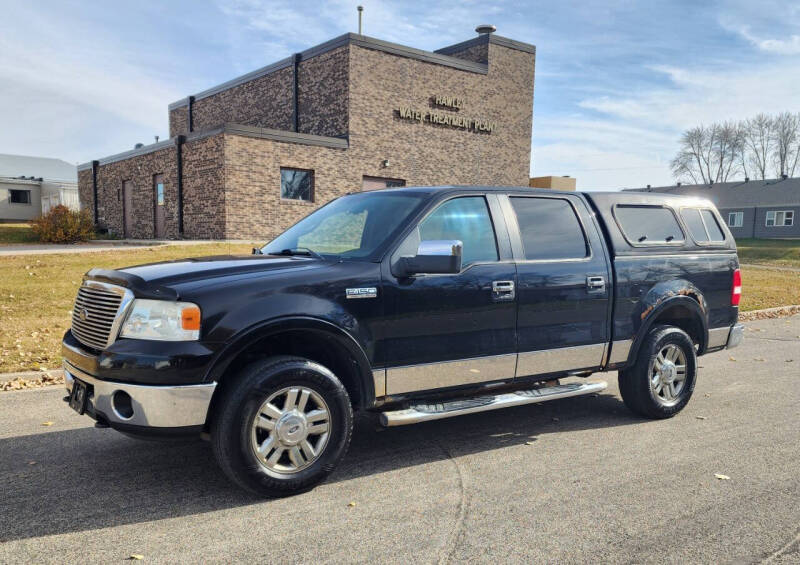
pixel 300 251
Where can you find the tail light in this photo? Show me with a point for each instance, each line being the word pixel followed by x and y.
pixel 736 292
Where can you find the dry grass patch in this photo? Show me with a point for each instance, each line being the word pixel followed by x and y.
pixel 37 292
pixel 777 252
pixel 764 288
pixel 17 233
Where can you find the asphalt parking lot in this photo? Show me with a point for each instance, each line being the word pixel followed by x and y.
pixel 574 480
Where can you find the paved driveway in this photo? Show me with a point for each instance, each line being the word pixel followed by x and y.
pixel 575 480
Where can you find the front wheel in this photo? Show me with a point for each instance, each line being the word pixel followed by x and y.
pixel 282 427
pixel 661 381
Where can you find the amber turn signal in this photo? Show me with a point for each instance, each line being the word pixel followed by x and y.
pixel 190 318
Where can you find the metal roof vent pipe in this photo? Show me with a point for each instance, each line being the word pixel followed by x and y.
pixel 486 29
pixel 138 146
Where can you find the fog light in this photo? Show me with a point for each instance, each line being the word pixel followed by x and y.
pixel 122 404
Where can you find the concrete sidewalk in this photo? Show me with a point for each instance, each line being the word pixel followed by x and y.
pixel 106 245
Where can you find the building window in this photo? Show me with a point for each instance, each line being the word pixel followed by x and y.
pixel 297 184
pixel 19 196
pixel 779 218
pixel 735 219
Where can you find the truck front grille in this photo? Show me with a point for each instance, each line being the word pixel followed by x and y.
pixel 95 314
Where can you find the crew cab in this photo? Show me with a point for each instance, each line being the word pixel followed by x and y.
pixel 412 304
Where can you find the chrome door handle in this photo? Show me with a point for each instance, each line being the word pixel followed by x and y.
pixel 595 283
pixel 503 290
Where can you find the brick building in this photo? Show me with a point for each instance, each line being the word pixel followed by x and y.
pixel 248 158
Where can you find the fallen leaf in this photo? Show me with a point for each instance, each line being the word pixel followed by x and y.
pixel 529 443
pixel 31 462
pixel 759 359
pixel 351 504
pixel 722 477
pixel 701 417
pixel 731 358
pixel 47 423
pixel 136 557
pixel 789 360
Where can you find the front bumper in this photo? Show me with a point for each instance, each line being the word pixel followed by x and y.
pixel 150 407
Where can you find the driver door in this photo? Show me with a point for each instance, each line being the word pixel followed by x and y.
pixel 447 330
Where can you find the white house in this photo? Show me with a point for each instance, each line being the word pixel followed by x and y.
pixel 30 186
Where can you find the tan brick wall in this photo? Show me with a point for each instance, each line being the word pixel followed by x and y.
pixel 323 93
pixel 476 53
pixel 140 171
pixel 253 204
pixel 232 182
pixel 264 102
pixel 179 121
pixel 85 194
pixel 203 188
pixel 429 154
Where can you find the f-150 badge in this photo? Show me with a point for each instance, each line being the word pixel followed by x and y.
pixel 367 292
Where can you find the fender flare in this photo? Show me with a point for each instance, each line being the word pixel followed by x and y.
pixel 241 341
pixel 652 314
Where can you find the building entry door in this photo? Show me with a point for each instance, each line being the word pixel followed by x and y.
pixel 159 205
pixel 376 183
pixel 127 208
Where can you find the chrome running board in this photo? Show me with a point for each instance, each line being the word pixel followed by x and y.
pixel 424 412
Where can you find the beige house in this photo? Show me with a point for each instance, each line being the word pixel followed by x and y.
pixel 30 186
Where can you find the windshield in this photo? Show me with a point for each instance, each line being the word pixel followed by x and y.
pixel 356 226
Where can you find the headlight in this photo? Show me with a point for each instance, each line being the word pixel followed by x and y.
pixel 162 320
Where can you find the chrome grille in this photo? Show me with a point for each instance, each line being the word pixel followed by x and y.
pixel 95 314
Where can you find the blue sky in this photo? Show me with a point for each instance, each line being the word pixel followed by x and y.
pixel 616 81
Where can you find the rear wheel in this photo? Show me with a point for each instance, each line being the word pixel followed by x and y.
pixel 282 427
pixel 661 381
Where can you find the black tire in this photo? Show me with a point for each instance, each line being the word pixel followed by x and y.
pixel 232 425
pixel 638 391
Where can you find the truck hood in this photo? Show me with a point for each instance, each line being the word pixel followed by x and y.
pixel 159 277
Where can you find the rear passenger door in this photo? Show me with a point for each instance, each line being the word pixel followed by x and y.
pixel 563 283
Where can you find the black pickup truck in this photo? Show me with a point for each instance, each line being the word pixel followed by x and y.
pixel 413 304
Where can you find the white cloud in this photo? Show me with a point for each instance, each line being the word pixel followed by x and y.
pixel 787 46
pixel 628 139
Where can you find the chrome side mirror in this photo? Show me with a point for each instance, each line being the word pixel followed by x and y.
pixel 439 256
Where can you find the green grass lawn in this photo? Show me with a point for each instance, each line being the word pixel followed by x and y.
pixel 775 252
pixel 16 233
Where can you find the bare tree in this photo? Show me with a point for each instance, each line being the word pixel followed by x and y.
pixel 689 163
pixel 708 154
pixel 787 129
pixel 758 140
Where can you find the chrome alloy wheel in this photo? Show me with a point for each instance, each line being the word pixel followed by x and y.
pixel 290 430
pixel 668 377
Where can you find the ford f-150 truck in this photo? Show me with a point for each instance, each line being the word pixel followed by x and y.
pixel 413 304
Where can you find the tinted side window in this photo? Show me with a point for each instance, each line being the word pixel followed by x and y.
pixel 648 224
pixel 466 219
pixel 714 231
pixel 691 216
pixel 549 228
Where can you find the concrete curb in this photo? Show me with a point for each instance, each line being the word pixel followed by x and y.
pixel 770 267
pixel 29 375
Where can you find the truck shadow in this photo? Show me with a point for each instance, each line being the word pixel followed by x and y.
pixel 86 479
